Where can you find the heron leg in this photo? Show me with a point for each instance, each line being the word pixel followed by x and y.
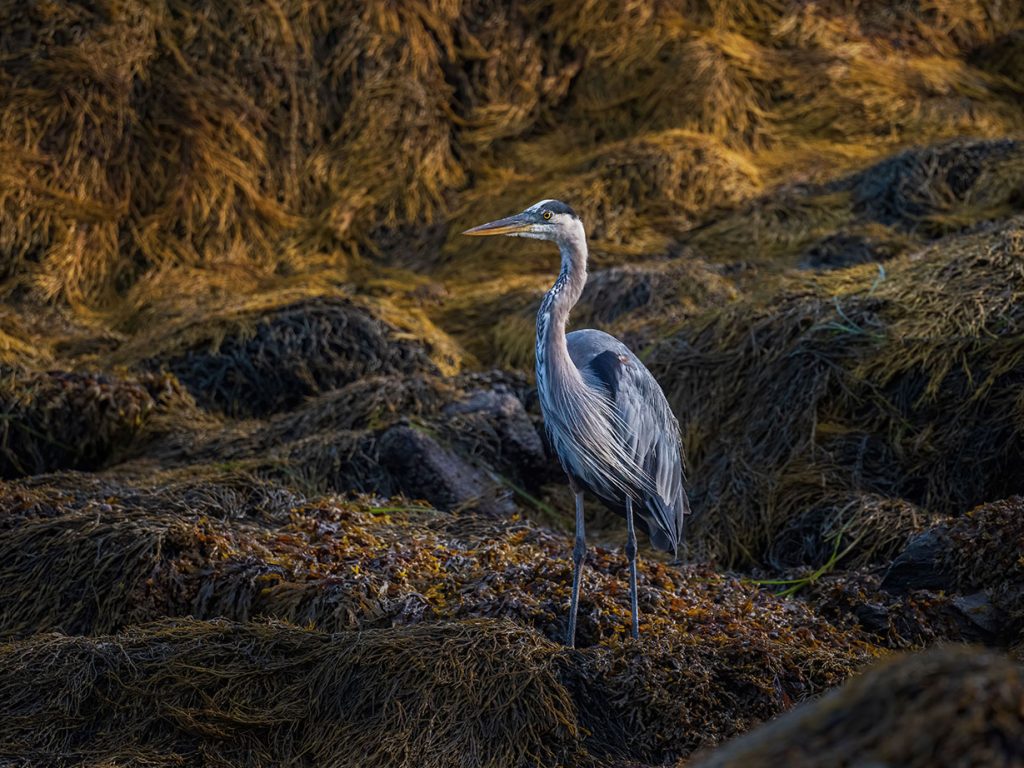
pixel 631 556
pixel 578 551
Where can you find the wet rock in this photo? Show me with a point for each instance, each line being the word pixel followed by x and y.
pixel 424 469
pixel 421 435
pixel 495 421
pixel 909 619
pixel 962 580
pixel 922 564
pixel 874 617
pixel 978 609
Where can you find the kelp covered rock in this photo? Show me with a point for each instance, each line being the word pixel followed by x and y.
pixel 715 654
pixel 904 385
pixel 256 363
pixel 893 206
pixel 299 138
pixel 452 441
pixel 233 281
pixel 888 715
pixel 70 420
pixel 186 692
pixel 978 558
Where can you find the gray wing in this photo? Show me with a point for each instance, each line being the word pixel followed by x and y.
pixel 650 432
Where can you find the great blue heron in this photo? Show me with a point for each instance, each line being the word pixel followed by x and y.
pixel 606 416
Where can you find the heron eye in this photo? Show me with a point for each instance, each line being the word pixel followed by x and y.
pixel 546 215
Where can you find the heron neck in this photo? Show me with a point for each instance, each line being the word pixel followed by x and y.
pixel 554 309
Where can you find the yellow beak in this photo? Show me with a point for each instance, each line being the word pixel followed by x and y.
pixel 508 226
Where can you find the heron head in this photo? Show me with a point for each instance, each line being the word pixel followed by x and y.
pixel 546 220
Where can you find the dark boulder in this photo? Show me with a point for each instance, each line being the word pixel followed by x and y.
pixel 424 469
pixel 922 565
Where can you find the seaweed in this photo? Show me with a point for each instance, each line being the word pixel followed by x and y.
pixel 186 692
pixel 452 441
pixel 68 420
pixel 313 526
pixel 715 654
pixel 149 145
pixel 976 560
pixel 889 714
pixel 887 209
pixel 289 354
pixel 942 187
pixel 902 384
